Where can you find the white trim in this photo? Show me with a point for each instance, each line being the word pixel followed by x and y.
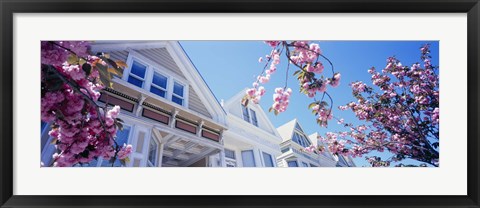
pixel 157 144
pixel 271 158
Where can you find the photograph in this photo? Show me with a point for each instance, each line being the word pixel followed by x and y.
pixel 278 103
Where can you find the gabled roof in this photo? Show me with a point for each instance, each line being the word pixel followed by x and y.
pixel 262 117
pixel 286 130
pixel 184 64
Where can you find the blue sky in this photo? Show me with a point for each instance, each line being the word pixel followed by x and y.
pixel 230 66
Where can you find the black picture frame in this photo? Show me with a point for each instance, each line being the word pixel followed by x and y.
pixel 10 7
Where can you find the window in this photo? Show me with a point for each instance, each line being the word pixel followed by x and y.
pixel 285 150
pixel 254 117
pixel 137 74
pixel 42 126
pixel 156 80
pixel 230 154
pixel 122 138
pixel 152 153
pixel 304 164
pixel 159 85
pixel 249 115
pixel 248 158
pixel 301 139
pixel 45 137
pixel 177 96
pixel 267 159
pixel 297 126
pixel 292 164
pixel 246 116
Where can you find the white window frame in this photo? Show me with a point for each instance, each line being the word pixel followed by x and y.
pixel 253 155
pixel 296 161
pixel 250 117
pixel 243 114
pixel 152 68
pixel 184 91
pixel 271 158
pixel 302 138
pixel 158 87
pixel 232 161
pixel 144 79
pixel 157 143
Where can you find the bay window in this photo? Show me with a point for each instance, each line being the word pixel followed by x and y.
pixel 156 79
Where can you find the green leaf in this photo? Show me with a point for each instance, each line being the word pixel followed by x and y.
pixel 72 59
pixel 312 105
pixel 82 61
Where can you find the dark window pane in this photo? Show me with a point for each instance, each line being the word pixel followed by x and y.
pixel 267 158
pixel 248 158
pixel 135 81
pixel 157 91
pixel 292 164
pixel 43 126
pixel 246 116
pixel 230 154
pixel 138 69
pixel 152 152
pixel 254 117
pixel 178 89
pixel 160 80
pixel 177 100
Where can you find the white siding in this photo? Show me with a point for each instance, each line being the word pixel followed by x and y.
pixel 195 104
pixel 161 57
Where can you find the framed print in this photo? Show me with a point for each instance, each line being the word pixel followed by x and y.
pixel 245 104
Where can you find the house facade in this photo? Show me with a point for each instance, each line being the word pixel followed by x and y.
pixel 251 139
pixel 294 142
pixel 172 118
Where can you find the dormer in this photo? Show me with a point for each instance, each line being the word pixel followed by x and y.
pixel 252 115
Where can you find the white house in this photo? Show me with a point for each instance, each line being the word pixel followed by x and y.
pixel 295 140
pixel 251 139
pixel 171 116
